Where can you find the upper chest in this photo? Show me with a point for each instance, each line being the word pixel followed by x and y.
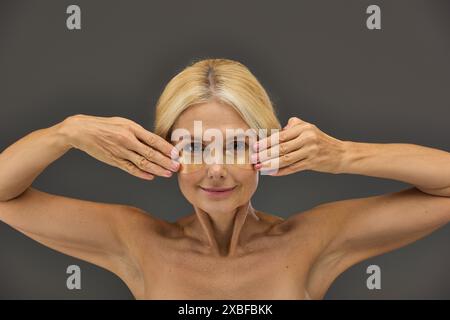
pixel 267 268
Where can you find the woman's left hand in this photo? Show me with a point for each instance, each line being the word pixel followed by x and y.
pixel 298 146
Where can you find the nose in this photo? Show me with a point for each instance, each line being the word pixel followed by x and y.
pixel 216 171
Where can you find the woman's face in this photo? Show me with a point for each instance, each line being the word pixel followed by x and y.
pixel 193 183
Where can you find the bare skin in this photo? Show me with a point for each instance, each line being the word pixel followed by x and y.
pixel 228 250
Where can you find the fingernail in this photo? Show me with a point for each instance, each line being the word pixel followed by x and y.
pixel 258 166
pixel 175 166
pixel 168 173
pixel 174 153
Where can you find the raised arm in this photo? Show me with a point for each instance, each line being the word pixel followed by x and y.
pixel 100 233
pixel 357 229
pixel 349 231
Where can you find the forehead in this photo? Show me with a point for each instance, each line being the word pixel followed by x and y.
pixel 211 115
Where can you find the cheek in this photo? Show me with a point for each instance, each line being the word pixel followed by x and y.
pixel 188 184
pixel 248 182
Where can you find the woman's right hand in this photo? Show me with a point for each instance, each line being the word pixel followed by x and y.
pixel 122 143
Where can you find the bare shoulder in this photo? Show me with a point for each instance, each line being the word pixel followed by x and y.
pixel 316 227
pixel 308 233
pixel 269 218
pixel 138 224
pixel 303 222
pixel 143 234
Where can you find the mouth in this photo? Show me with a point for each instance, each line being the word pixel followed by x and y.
pixel 218 191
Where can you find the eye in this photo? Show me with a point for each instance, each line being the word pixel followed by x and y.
pixel 193 147
pixel 238 145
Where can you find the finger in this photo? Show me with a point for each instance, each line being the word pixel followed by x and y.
pixel 155 156
pixel 144 164
pixel 293 121
pixel 296 167
pixel 280 137
pixel 288 141
pixel 285 160
pixel 279 150
pixel 156 142
pixel 130 167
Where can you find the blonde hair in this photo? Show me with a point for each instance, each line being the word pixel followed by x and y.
pixel 222 80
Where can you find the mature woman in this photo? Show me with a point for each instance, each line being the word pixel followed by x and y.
pixel 225 249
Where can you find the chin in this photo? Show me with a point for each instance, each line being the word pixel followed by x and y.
pixel 217 206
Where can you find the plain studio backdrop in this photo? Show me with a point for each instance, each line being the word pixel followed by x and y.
pixel 317 60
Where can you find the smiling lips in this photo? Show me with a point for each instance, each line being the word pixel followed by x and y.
pixel 218 192
pixel 218 189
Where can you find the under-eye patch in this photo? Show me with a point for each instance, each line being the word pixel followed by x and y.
pixel 195 154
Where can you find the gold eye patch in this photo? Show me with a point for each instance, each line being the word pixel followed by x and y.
pixel 236 152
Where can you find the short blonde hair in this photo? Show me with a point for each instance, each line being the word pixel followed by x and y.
pixel 221 80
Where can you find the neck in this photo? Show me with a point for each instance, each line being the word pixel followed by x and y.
pixel 223 229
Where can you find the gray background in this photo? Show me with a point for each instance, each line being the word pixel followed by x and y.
pixel 316 59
